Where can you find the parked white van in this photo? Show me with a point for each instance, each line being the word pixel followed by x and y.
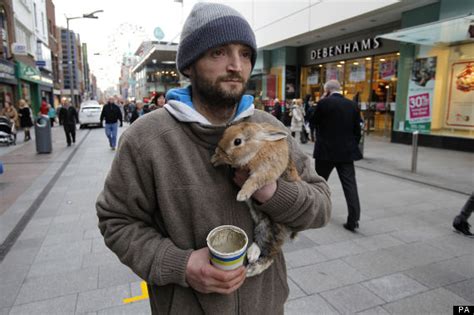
pixel 89 113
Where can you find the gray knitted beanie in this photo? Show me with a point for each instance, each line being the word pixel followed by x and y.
pixel 210 25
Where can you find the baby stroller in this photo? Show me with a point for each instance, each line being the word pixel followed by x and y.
pixel 7 131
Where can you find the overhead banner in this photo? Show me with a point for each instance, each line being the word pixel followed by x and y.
pixel 420 95
pixel 460 111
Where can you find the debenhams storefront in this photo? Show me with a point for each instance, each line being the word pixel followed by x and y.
pixel 365 65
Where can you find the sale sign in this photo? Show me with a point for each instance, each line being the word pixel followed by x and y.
pixel 419 106
pixel 420 95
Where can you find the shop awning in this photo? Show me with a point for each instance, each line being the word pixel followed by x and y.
pixel 440 33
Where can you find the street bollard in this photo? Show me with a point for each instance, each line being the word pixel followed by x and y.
pixel 414 151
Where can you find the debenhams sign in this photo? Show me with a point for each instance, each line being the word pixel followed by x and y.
pixel 346 48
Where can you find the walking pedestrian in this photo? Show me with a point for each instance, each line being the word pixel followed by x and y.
pixel 112 115
pixel 51 114
pixel 297 120
pixel 26 118
pixel 10 112
pixel 460 221
pixel 137 112
pixel 163 196
pixel 337 121
pixel 276 109
pixel 44 107
pixel 68 117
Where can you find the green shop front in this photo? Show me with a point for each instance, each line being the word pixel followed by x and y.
pixel 32 85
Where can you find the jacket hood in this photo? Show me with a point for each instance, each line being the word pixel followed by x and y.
pixel 181 107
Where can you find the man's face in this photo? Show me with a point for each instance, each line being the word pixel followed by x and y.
pixel 111 100
pixel 220 76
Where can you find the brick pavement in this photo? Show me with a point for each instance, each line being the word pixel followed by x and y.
pixel 405 259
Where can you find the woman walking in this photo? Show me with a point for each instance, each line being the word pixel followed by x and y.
pixel 10 112
pixel 26 121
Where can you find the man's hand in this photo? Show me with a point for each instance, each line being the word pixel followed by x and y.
pixel 205 278
pixel 263 194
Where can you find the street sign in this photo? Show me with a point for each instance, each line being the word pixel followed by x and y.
pixel 41 63
pixel 19 49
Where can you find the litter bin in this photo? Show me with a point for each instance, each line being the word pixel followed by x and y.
pixel 43 135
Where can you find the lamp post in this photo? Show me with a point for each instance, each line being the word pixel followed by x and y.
pixel 71 81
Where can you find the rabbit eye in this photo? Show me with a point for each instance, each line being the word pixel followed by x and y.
pixel 237 141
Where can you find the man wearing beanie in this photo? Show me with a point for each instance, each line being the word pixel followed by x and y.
pixel 163 196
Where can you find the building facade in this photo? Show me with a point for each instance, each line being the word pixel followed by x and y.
pixel 8 81
pixel 401 86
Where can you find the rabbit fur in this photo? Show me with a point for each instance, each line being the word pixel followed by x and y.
pixel 262 149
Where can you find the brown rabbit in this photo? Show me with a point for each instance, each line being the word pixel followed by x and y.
pixel 263 150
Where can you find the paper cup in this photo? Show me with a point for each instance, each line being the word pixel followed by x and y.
pixel 227 246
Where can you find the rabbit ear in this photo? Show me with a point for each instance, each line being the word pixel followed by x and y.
pixel 271 135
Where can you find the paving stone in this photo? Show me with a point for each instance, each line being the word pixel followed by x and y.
pixel 374 311
pixel 139 307
pixel 438 301
pixel 51 286
pixel 351 299
pixel 455 244
pixel 34 231
pixel 100 259
pixel 63 250
pixel 98 245
pixel 5 311
pixel 377 263
pixel 420 234
pixel 63 238
pixel 295 291
pixel 377 242
pixel 51 267
pixel 300 242
pixel 464 289
pixel 9 291
pixel 341 249
pixel 309 306
pixel 60 305
pixel 304 257
pixel 96 300
pixel 13 273
pixel 112 275
pixel 434 275
pixel 325 276
pixel 329 234
pixel 92 233
pixel 394 287
pixel 463 265
pixel 17 257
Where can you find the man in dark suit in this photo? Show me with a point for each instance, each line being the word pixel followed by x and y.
pixel 337 122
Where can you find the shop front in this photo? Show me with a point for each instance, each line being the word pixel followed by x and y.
pixel 437 94
pixel 365 65
pixel 32 85
pixel 8 83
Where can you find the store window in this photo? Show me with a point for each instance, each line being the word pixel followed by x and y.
pixel 357 80
pixel 370 81
pixel 6 95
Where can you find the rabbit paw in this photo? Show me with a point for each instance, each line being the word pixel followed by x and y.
pixel 253 252
pixel 258 267
pixel 243 195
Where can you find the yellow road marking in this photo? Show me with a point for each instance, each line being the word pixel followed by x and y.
pixel 144 295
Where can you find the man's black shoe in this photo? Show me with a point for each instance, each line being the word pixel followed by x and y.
pixel 351 226
pixel 462 227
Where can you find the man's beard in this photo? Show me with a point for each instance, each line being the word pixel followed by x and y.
pixel 215 97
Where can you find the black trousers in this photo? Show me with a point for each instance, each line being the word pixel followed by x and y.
pixel 346 173
pixel 70 131
pixel 466 211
